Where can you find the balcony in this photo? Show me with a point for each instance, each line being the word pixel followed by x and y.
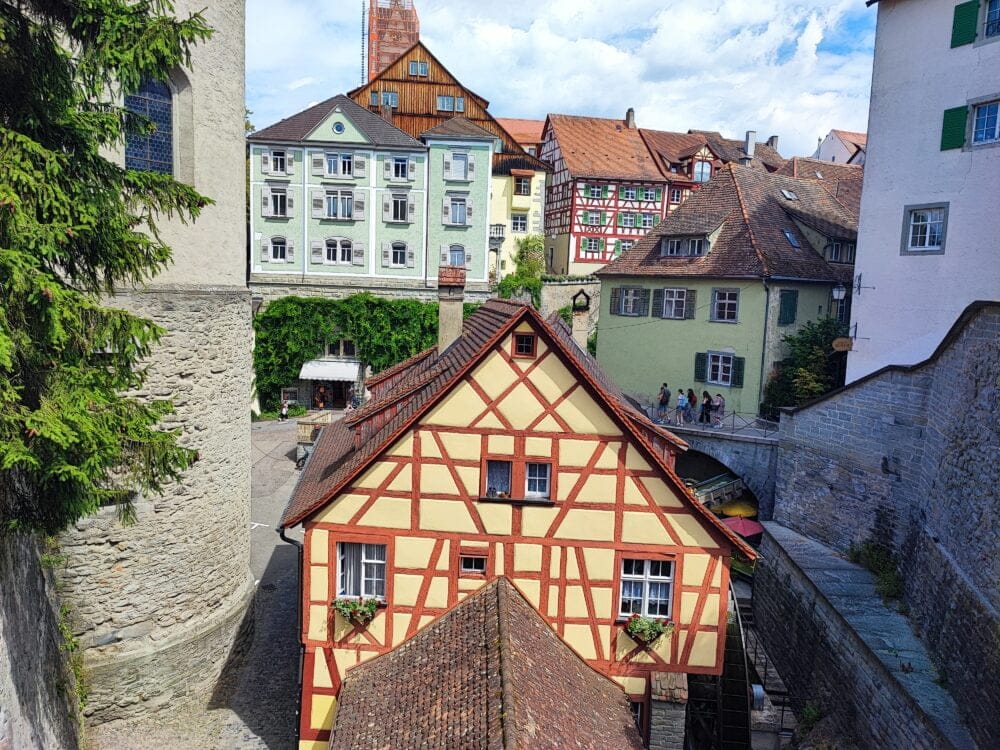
pixel 498 231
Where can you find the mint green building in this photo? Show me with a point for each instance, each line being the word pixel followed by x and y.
pixel 703 301
pixel 342 201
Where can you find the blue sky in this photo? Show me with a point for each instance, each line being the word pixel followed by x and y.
pixel 795 68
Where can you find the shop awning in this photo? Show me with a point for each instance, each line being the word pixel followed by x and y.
pixel 330 369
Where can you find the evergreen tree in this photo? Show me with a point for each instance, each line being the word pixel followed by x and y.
pixel 74 226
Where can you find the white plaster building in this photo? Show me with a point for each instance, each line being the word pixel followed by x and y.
pixel 927 242
pixel 843 147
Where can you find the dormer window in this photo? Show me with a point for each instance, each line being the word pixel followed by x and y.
pixel 702 171
pixel 841 252
pixel 686 246
pixel 696 246
pixel 792 239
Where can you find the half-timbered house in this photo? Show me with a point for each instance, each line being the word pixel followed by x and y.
pixel 612 182
pixel 504 452
pixel 417 93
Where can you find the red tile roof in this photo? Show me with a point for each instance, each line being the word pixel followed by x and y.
pixel 842 181
pixel 346 448
pixel 749 206
pixel 601 148
pixel 490 673
pixel 523 131
pixel 858 140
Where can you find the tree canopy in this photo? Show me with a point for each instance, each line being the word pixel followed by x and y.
pixel 74 226
pixel 811 368
pixel 529 261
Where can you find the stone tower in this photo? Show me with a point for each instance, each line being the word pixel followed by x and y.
pixel 156 605
pixel 393 27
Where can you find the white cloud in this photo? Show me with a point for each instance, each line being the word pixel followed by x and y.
pixel 795 68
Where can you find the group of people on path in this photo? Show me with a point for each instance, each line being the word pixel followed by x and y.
pixel 707 410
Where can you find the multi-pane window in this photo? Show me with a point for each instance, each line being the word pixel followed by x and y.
pixel 279 249
pixel 649 194
pixel 596 191
pixel 361 570
pixel 648 220
pixel 446 103
pixel 646 587
pixel 459 103
pixel 460 166
pixel 400 167
pixel 418 68
pixel 279 162
pixel 629 193
pixel 628 220
pixel 842 310
pixel 631 301
pixel 459 215
pixel 992 18
pixel 593 218
pixel 842 252
pixel 672 247
pixel 627 245
pixel 702 171
pixel 346 164
pixel 338 164
pixel 398 257
pixel 591 244
pixel 522 186
pixel 675 195
pixel 536 480
pixel 524 344
pixel 720 368
pixel 400 207
pixel 696 246
pixel 519 222
pixel 279 202
pixel 456 256
pixel 926 229
pixel 986 123
pixel 473 565
pixel 725 305
pixel 151 152
pixel 339 204
pixel 340 348
pixel 674 301
pixel 390 99
pixel 339 252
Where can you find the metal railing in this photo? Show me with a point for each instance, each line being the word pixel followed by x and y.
pixel 731 423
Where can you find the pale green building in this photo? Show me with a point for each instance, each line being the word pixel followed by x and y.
pixel 704 299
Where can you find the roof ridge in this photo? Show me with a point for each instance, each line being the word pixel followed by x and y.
pixel 746 219
pixel 506 678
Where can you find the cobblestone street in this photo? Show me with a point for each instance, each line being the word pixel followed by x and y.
pixel 254 702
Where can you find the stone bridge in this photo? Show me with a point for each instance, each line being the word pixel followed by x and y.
pixel 752 455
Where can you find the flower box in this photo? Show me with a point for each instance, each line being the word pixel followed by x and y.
pixel 647 630
pixel 359 611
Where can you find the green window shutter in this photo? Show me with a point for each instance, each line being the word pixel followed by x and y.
pixel 658 303
pixel 604 218
pixel 789 303
pixel 659 194
pixel 586 217
pixel 600 244
pixel 618 248
pixel 616 301
pixel 621 218
pixel 621 193
pixel 607 191
pixel 700 366
pixel 953 128
pixel 739 365
pixel 690 302
pixel 964 23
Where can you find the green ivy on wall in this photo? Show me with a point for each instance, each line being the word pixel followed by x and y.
pixel 293 330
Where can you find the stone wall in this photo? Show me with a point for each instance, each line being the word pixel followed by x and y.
pixel 156 604
pixel 824 662
pixel 907 457
pixel 37 698
pixel 271 287
pixel 557 294
pixel 754 460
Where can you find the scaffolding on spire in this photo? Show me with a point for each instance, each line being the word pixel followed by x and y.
pixel 393 27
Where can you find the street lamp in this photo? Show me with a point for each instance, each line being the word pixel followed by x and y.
pixel 839 292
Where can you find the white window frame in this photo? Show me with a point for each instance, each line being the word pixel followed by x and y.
pixel 991 17
pixel 336 349
pixel 700 167
pixel 631 301
pixel 676 195
pixel 594 219
pixel 648 220
pixel 445 103
pixel 645 579
pixel 628 220
pixel 390 99
pixel 346 165
pixel 519 223
pixel 456 160
pixel 397 247
pixel 464 568
pixel 400 168
pixel 732 298
pixel 456 251
pixel 282 156
pixel 542 480
pixel 672 247
pixel 595 191
pixel 982 136
pixel 719 368
pixel 338 256
pixel 518 182
pixel 842 252
pixel 591 245
pixel 340 199
pixel 453 206
pixel 353 561
pixel 397 201
pixel 649 194
pixel 283 244
pixel 910 213
pixel 672 298
pixel 279 203
pixel 630 193
pixel 459 103
pixel 696 246
pixel 627 245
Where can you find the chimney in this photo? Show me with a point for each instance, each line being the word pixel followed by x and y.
pixel 667 710
pixel 386 113
pixel 451 295
pixel 581 318
pixel 749 146
pixel 630 119
pixel 773 142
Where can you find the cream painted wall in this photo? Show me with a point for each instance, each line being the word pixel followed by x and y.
pixel 916 298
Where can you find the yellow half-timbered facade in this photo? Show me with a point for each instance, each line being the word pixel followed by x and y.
pixel 508 453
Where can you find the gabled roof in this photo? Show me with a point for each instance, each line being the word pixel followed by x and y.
pixel 299 126
pixel 524 131
pixel 597 147
pixel 346 448
pixel 461 128
pixel 753 213
pixel 842 181
pixel 850 138
pixel 490 673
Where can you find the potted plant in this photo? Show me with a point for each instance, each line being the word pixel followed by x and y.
pixel 647 629
pixel 358 611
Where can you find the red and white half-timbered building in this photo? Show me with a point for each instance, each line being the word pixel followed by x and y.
pixel 505 452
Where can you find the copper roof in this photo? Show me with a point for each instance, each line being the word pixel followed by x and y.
pixel 601 148
pixel 345 448
pixel 753 213
pixel 300 125
pixel 490 673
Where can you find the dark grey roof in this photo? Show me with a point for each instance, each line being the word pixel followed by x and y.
pixel 299 126
pixel 458 127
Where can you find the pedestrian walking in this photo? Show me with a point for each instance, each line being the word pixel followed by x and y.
pixel 681 407
pixel 705 414
pixel 664 402
pixel 284 409
pixel 692 404
pixel 718 410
